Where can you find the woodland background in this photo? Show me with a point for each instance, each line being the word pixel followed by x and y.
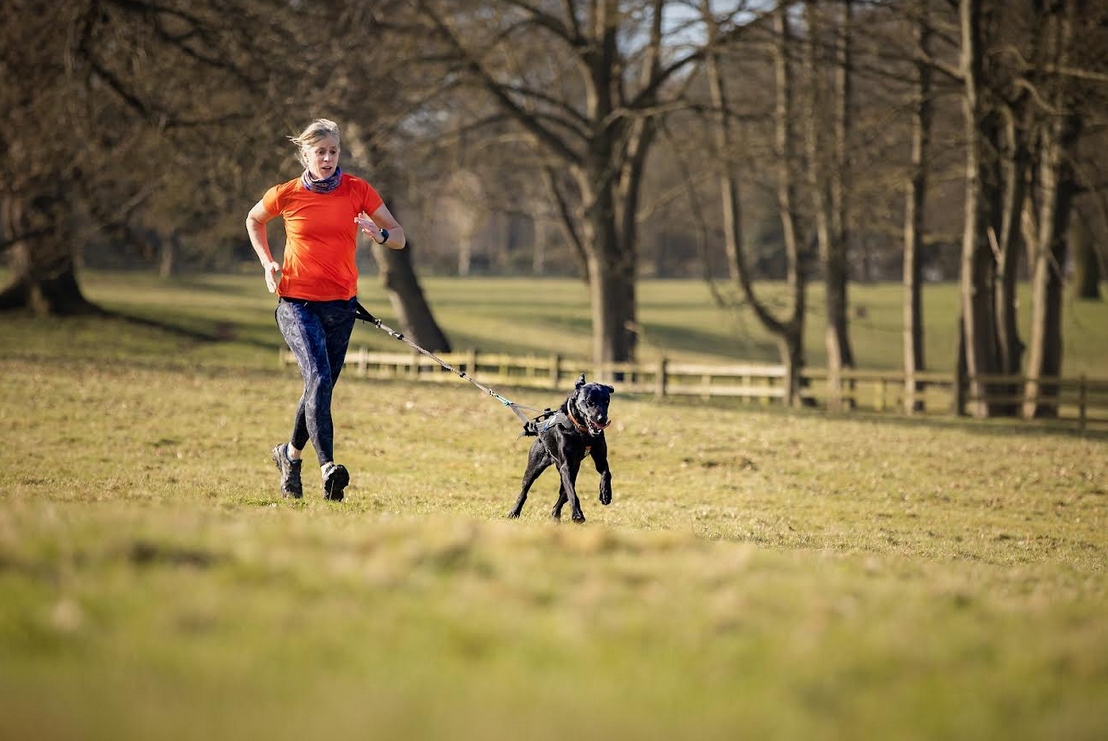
pixel 835 141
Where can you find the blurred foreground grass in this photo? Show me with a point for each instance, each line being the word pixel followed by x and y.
pixel 758 574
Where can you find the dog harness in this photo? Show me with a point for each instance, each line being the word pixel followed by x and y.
pixel 551 419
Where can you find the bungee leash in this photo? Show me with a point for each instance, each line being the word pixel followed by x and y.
pixel 360 312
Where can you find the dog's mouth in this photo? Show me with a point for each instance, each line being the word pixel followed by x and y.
pixel 594 427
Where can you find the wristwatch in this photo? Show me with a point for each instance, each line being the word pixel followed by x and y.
pixel 384 236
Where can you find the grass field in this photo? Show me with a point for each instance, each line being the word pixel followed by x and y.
pixel 758 574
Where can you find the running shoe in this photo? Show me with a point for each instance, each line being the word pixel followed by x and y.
pixel 335 479
pixel 290 472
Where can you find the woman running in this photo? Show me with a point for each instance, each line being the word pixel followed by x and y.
pixel 317 284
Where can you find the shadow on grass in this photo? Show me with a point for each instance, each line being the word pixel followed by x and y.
pixel 668 338
pixel 220 331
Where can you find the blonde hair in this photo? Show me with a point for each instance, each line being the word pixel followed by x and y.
pixel 319 129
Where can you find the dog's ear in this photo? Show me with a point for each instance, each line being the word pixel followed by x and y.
pixel 580 381
pixel 610 389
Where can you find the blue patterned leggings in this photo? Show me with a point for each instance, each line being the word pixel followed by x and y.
pixel 318 333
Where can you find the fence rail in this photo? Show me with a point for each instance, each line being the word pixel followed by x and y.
pixel 1082 400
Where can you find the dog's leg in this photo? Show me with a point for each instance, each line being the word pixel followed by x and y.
pixel 600 460
pixel 537 461
pixel 569 470
pixel 556 513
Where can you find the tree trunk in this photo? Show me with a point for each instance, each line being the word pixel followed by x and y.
pixel 1086 267
pixel 828 182
pixel 465 254
pixel 914 219
pixel 1014 159
pixel 608 241
pixel 44 288
pixel 728 180
pixel 540 245
pixel 44 277
pixel 397 269
pixel 407 299
pixel 977 257
pixel 1057 186
pixel 611 279
pixel 838 337
pixel 170 252
pixel 789 332
pixel 1045 353
pixel 793 328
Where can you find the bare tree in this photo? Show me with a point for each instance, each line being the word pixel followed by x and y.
pixel 109 82
pixel 829 178
pixel 914 205
pixel 1055 178
pixel 789 331
pixel 978 265
pixel 596 122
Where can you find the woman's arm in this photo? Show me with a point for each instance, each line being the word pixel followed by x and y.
pixel 383 219
pixel 255 227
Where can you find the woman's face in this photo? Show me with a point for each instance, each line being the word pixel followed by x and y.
pixel 322 157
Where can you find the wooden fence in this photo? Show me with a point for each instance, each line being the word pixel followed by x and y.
pixel 1083 401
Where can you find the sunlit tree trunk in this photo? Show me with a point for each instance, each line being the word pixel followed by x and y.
pixel 978 263
pixel 838 334
pixel 1014 159
pixel 791 339
pixel 788 332
pixel 1057 185
pixel 828 180
pixel 914 217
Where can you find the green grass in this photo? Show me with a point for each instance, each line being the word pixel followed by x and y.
pixel 758 574
pixel 522 315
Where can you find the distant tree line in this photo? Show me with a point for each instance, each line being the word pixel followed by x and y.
pixel 812 140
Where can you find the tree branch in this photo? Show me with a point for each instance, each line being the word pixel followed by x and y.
pixel 523 117
pixel 568 221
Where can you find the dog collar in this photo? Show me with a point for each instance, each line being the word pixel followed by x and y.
pixel 580 427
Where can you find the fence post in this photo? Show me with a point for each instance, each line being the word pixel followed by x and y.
pixel 834 387
pixel 960 383
pixel 555 371
pixel 1081 403
pixel 471 363
pixel 660 379
pixel 881 390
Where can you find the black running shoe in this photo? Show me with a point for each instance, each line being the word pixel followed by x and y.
pixel 290 472
pixel 335 479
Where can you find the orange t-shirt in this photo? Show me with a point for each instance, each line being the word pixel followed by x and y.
pixel 319 236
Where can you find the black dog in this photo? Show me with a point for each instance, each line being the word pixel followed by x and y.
pixel 565 437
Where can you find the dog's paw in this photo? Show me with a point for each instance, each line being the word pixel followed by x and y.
pixel 578 516
pixel 513 515
pixel 605 494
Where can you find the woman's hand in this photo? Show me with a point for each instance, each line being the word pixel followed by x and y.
pixel 368 227
pixel 272 277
